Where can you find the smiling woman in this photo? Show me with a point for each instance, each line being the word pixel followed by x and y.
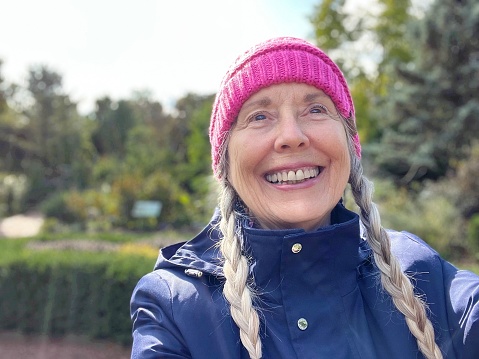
pixel 284 131
pixel 284 270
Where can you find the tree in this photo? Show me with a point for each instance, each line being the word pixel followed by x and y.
pixel 3 98
pixel 432 116
pixel 365 43
pixel 56 139
pixel 114 120
pixel 54 125
pixel 197 169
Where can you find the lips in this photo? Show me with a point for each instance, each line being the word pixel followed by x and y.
pixel 292 177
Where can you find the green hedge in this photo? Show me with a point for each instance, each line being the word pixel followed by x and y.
pixel 57 293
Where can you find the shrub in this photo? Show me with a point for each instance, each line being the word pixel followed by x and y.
pixel 91 209
pixel 473 233
pixel 55 206
pixel 68 292
pixel 430 214
pixel 467 183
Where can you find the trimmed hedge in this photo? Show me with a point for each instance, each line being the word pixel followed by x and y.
pixel 57 293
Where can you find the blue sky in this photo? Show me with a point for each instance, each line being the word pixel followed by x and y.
pixel 106 47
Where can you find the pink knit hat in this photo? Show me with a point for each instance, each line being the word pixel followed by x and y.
pixel 279 60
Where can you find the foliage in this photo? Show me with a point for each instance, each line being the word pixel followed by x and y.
pixel 55 207
pixel 53 293
pixel 3 100
pixel 366 43
pixel 473 233
pixel 114 120
pixel 431 118
pixel 466 181
pixel 88 171
pixel 431 215
pixel 139 249
pixel 330 23
pixel 12 193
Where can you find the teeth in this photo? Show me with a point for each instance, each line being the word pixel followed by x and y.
pixel 291 176
pixel 299 175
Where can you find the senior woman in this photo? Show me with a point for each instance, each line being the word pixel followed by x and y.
pixel 284 270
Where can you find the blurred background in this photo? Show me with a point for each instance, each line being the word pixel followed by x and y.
pixel 104 151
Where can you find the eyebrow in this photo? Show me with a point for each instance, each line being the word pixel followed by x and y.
pixel 266 101
pixel 313 96
pixel 262 102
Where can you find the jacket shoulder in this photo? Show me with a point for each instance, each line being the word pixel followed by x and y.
pixel 412 251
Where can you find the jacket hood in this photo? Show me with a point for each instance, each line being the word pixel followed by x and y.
pixel 200 253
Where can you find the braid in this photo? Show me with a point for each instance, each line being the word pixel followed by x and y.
pixel 396 283
pixel 236 270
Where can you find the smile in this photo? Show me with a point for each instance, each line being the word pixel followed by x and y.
pixel 292 177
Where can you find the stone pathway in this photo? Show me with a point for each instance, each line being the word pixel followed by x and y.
pixel 21 225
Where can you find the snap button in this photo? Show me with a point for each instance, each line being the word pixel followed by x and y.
pixel 302 324
pixel 193 272
pixel 296 248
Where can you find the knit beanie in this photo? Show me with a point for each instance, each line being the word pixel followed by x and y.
pixel 278 60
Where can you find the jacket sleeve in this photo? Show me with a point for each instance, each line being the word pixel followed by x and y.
pixel 155 334
pixel 462 289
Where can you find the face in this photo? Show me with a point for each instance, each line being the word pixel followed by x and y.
pixel 288 157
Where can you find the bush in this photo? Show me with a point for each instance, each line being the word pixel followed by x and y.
pixel 467 183
pixel 90 209
pixel 473 234
pixel 55 206
pixel 430 214
pixel 69 292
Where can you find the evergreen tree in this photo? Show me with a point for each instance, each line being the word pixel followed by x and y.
pixel 366 43
pixel 432 115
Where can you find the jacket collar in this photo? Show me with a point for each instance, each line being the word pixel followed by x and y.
pixel 339 242
pixel 328 256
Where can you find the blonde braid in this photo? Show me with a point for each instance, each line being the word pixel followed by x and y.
pixel 236 270
pixel 396 283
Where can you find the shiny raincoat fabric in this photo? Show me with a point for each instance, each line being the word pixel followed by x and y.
pixel 318 294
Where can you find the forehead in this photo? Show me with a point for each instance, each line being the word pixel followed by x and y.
pixel 286 91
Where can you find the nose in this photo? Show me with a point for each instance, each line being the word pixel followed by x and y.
pixel 290 134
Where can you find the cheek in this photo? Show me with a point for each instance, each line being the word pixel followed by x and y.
pixel 333 142
pixel 237 167
pixel 335 145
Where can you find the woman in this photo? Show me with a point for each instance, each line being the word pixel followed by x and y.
pixel 283 270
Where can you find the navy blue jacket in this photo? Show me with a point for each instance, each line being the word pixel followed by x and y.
pixel 324 301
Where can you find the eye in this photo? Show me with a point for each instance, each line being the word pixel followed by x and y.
pixel 259 116
pixel 318 109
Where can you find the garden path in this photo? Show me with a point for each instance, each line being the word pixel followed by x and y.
pixel 21 225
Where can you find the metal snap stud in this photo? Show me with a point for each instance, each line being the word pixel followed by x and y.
pixel 296 248
pixel 302 324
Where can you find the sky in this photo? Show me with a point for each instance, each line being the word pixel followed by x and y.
pixel 116 47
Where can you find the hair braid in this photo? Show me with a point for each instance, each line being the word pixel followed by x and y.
pixel 396 283
pixel 236 270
